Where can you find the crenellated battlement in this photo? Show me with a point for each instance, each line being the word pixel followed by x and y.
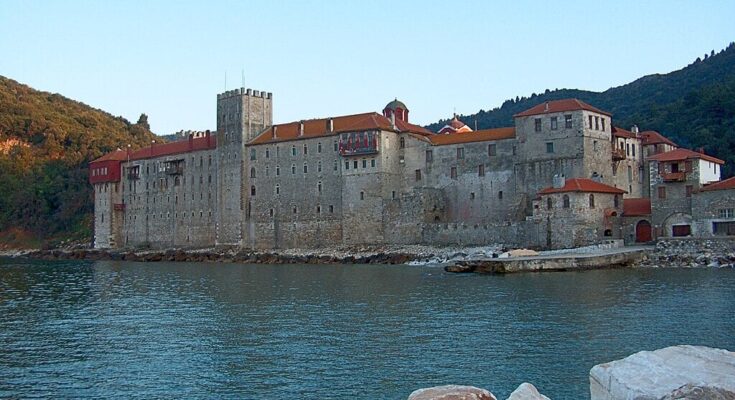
pixel 246 92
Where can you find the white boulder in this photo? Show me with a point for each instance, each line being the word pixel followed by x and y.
pixel 526 391
pixel 661 373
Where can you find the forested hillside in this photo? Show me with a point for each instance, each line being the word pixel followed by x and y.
pixel 694 106
pixel 46 141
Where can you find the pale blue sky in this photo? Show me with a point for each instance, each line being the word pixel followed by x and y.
pixel 325 58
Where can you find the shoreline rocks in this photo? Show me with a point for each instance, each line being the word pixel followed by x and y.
pixel 694 372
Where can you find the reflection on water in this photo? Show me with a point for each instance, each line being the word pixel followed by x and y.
pixel 115 329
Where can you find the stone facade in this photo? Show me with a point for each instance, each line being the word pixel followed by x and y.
pixel 374 179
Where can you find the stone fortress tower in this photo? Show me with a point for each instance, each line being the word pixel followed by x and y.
pixel 241 115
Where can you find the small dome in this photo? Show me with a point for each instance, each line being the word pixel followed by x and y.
pixel 456 123
pixel 396 104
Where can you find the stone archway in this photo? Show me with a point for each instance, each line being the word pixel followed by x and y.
pixel 643 231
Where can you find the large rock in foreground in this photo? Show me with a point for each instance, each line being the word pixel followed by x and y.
pixel 667 373
pixel 451 392
pixel 527 392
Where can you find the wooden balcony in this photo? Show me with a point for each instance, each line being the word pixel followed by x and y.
pixel 118 206
pixel 674 176
pixel 618 154
pixel 175 169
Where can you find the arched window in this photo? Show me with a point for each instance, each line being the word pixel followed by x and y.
pixel 565 200
pixel 616 201
pixel 252 190
pixel 592 201
pixel 402 143
pixel 278 189
pixel 319 187
pixel 252 172
pixel 293 169
pixel 549 203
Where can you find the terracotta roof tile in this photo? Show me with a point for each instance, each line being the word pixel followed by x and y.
pixel 346 123
pixel 728 183
pixel 582 185
pixel 683 154
pixel 117 155
pixel 620 132
pixel 653 137
pixel 556 106
pixel 636 207
pixel 163 149
pixel 482 135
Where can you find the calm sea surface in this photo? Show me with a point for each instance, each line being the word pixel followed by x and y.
pixel 171 330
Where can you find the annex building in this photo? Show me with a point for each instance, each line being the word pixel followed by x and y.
pixel 562 176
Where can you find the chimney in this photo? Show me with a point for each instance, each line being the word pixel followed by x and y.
pixel 393 120
pixel 330 125
pixel 700 150
pixel 191 141
pixel 634 129
pixel 206 134
pixel 596 177
pixel 301 128
pixel 546 107
pixel 559 181
pixel 275 132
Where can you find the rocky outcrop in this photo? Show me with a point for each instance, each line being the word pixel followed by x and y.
pixel 668 373
pixel 451 392
pixel 526 391
pixel 692 253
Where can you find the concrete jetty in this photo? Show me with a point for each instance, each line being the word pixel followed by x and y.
pixel 608 258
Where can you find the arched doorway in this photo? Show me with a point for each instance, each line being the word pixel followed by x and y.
pixel 643 231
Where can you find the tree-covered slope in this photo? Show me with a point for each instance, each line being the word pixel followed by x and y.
pixel 46 141
pixel 694 106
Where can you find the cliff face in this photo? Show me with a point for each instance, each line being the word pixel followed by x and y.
pixel 46 141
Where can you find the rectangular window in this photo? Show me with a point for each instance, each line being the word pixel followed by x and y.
pixel 331 209
pixel 727 212
pixel 603 124
pixel 481 170
pixel 632 149
pixel 372 163
pixel 549 147
pixel 590 122
pixel 429 156
pixel 293 150
pixel 630 174
pixel 453 173
pixel 554 123
pixel 364 163
pixel 418 174
pixel 568 121
pixel 306 150
pixel 537 124
pixel 460 153
pixel 252 154
pixel 627 149
pixel 362 195
pixel 492 150
pixel 597 123
pixel 335 145
pixel 267 153
pixel 347 165
pixel 354 164
pixel 661 192
pixel 319 147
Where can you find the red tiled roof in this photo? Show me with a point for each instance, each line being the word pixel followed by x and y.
pixel 582 185
pixel 683 154
pixel 556 106
pixel 620 132
pixel 117 155
pixel 728 183
pixel 482 135
pixel 346 123
pixel 164 149
pixel 653 137
pixel 636 207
